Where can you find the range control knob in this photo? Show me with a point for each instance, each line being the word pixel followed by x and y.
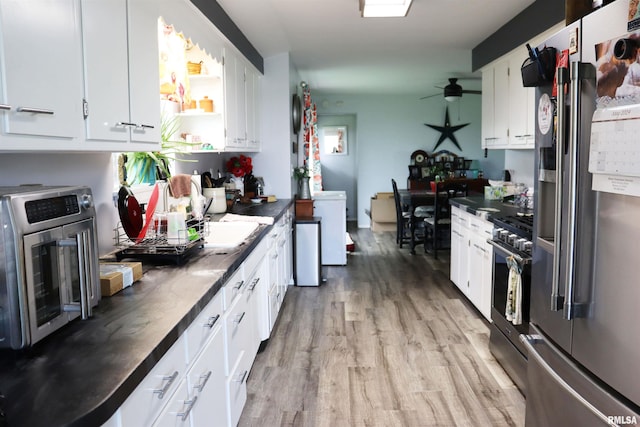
pixel 527 247
pixel 86 201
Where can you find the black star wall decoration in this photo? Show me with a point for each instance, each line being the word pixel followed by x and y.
pixel 447 131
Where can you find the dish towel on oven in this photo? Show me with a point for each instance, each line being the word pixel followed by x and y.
pixel 513 311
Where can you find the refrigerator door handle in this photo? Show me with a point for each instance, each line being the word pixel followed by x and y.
pixel 529 342
pixel 557 300
pixel 580 72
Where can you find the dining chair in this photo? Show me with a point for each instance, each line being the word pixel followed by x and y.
pixel 403 218
pixel 439 224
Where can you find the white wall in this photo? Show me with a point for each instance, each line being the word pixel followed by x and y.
pixel 91 169
pixel 520 164
pixel 276 159
pixel 390 128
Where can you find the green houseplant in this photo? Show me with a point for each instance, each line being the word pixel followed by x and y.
pixel 145 166
pixel 301 174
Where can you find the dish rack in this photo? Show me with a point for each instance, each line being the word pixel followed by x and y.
pixel 158 249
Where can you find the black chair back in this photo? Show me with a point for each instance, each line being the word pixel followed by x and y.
pixel 445 192
pixel 396 198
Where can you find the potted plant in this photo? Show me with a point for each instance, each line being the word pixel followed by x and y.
pixel 301 174
pixel 241 167
pixel 147 166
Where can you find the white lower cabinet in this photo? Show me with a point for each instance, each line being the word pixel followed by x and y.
pixel 178 409
pixel 207 381
pixel 201 381
pixel 256 301
pixel 459 247
pixel 481 260
pixel 156 389
pixel 236 385
pixel 472 258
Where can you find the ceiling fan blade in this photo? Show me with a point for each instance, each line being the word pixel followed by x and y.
pixel 431 96
pixel 475 92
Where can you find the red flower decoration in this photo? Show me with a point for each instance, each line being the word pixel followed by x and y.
pixel 240 166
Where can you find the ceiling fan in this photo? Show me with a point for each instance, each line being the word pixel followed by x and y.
pixel 453 91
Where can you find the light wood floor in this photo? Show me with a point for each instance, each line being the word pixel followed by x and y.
pixel 386 341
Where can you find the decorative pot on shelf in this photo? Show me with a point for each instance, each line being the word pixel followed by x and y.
pixel 304 191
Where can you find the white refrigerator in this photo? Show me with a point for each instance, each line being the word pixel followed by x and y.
pixel 331 206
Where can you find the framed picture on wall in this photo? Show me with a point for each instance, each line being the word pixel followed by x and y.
pixel 335 140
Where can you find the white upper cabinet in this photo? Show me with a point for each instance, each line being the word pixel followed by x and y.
pixel 522 100
pixel 121 73
pixel 41 73
pixel 495 104
pixel 234 98
pixel 508 108
pixel 242 103
pixel 253 109
pixel 203 77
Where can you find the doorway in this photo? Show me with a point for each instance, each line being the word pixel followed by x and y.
pixel 339 168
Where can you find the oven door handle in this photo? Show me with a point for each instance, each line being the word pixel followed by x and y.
pixel 518 258
pixel 82 245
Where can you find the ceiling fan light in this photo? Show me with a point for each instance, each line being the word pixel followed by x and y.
pixel 452 98
pixel 384 8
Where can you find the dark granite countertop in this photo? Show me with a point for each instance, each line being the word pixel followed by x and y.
pixel 81 374
pixel 493 208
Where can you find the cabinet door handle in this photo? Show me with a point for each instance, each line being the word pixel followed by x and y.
pixel 5 107
pixel 123 124
pixel 240 378
pixel 184 415
pixel 143 126
pixel 253 284
pixel 34 110
pixel 238 285
pixel 239 318
pixel 170 379
pixel 203 381
pixel 480 248
pixel 212 321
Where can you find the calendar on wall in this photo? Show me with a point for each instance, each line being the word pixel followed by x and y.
pixel 614 151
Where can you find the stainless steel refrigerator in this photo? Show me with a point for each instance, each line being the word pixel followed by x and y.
pixel 584 344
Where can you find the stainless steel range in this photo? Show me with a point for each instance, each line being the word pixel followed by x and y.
pixel 511 262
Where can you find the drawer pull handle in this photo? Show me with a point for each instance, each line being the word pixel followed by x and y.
pixel 203 381
pixel 191 403
pixel 212 321
pixel 238 285
pixel 167 386
pixel 5 107
pixel 253 284
pixel 34 110
pixel 123 124
pixel 241 378
pixel 239 318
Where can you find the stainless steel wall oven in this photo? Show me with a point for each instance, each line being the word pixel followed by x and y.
pixel 48 261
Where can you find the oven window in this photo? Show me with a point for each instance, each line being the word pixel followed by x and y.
pixel 46 280
pixel 501 284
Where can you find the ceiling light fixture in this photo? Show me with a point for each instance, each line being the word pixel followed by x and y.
pixel 452 91
pixel 384 8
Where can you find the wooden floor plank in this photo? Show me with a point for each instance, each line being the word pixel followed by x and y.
pixel 386 341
